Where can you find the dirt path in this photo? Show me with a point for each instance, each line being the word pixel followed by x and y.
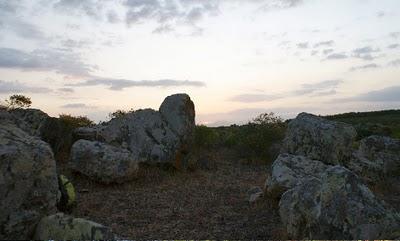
pixel 181 205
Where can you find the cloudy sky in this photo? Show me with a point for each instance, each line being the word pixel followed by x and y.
pixel 235 58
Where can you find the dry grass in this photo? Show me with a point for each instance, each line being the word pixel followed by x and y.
pixel 183 205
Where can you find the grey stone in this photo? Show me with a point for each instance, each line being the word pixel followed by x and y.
pixel 336 206
pixel 377 158
pixel 103 162
pixel 288 170
pixel 28 182
pixel 64 227
pixel 319 139
pixel 156 137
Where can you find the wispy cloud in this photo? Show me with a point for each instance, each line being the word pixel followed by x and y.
pixel 336 56
pixel 324 44
pixel 393 46
pixel 121 84
pixel 366 66
pixel 317 88
pixel 18 87
pixel 77 106
pixel 365 53
pixel 390 94
pixel 303 45
pixel 394 63
pixel 45 60
pixel 253 98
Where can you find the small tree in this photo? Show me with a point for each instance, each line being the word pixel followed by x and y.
pixel 18 101
pixel 268 118
pixel 76 121
pixel 119 113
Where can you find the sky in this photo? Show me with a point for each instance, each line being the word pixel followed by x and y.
pixel 235 58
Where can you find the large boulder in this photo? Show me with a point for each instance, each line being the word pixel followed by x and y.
pixel 29 120
pixel 153 136
pixel 103 162
pixel 28 182
pixel 288 170
pixel 319 139
pixel 377 158
pixel 64 227
pixel 336 206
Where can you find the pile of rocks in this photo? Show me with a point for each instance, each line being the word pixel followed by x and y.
pixel 110 152
pixel 29 187
pixel 319 181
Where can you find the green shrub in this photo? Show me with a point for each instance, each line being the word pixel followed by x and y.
pixel 205 137
pixel 76 121
pixel 120 113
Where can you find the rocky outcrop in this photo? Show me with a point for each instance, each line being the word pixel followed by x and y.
pixel 336 206
pixel 103 162
pixel 288 170
pixel 377 158
pixel 64 227
pixel 29 120
pixel 151 136
pixel 28 182
pixel 319 139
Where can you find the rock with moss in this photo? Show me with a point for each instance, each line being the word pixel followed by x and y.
pixel 156 137
pixel 288 170
pixel 103 162
pixel 319 139
pixel 377 158
pixel 64 227
pixel 28 182
pixel 336 206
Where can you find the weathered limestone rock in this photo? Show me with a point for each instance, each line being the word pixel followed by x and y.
pixel 377 158
pixel 63 227
pixel 29 120
pixel 288 170
pixel 336 206
pixel 153 136
pixel 28 182
pixel 103 162
pixel 319 139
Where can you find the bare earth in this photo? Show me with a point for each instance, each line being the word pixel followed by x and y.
pixel 172 204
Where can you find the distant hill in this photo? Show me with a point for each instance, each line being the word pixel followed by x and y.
pixel 385 122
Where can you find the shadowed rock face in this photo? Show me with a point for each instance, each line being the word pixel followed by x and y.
pixel 28 182
pixel 377 158
pixel 336 206
pixel 103 162
pixel 319 139
pixel 157 137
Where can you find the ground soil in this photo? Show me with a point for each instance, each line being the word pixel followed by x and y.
pixel 167 204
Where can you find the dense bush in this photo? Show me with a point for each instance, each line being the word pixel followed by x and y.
pixel 76 121
pixel 119 113
pixel 253 140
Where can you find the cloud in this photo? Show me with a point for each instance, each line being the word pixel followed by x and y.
pixel 279 4
pixel 303 45
pixel 13 87
pixel 390 94
pixel 91 8
pixel 336 56
pixel 318 87
pixel 380 14
pixel 253 98
pixel 66 90
pixel 324 43
pixel 394 63
pixel 327 51
pixel 314 52
pixel 76 106
pixel 19 27
pixel 363 67
pixel 365 53
pixel 393 46
pixel 120 84
pixel 394 35
pixel 169 14
pixel 45 60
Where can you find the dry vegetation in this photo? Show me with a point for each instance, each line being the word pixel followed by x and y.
pixel 174 204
